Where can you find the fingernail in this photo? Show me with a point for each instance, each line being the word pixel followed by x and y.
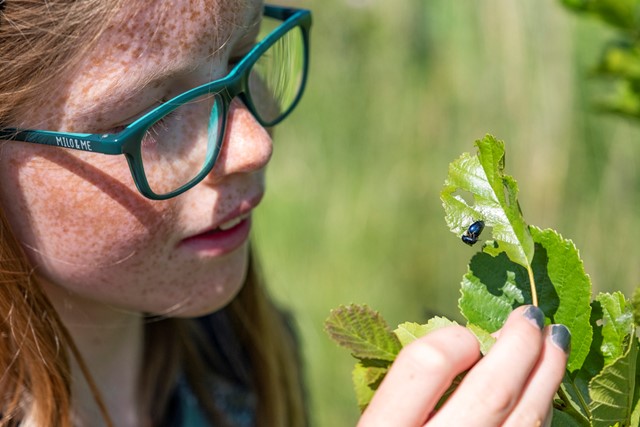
pixel 561 337
pixel 535 316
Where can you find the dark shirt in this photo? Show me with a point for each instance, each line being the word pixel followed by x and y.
pixel 229 384
pixel 236 403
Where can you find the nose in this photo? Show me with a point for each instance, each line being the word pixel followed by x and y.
pixel 247 146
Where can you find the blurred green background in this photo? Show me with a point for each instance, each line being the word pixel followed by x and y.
pixel 397 90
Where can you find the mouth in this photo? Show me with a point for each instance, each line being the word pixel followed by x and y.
pixel 227 236
pixel 221 240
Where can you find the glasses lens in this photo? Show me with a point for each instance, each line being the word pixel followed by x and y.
pixel 178 148
pixel 276 79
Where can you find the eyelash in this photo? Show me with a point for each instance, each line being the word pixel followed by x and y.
pixel 150 137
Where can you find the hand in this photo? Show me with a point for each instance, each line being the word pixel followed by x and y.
pixel 511 386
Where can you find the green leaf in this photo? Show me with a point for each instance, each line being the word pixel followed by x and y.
pixel 574 401
pixel 364 332
pixel 490 291
pixel 612 390
pixel 564 290
pixel 408 332
pixel 495 200
pixel 635 405
pixel 617 325
pixel 365 383
pixel 575 385
pixel 485 339
pixel 494 286
pixel 564 419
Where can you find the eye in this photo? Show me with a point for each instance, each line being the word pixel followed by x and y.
pixel 155 133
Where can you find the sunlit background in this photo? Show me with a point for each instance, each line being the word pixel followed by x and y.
pixel 397 90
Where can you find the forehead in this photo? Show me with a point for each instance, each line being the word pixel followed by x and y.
pixel 163 38
pixel 173 30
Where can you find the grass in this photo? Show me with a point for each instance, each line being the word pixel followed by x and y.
pixel 398 90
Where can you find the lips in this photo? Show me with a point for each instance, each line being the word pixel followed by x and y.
pixel 227 235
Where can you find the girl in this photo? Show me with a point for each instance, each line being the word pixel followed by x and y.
pixel 134 141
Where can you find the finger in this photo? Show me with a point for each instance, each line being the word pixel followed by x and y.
pixel 421 373
pixel 535 403
pixel 491 389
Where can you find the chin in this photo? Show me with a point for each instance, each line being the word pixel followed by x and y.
pixel 198 309
pixel 213 296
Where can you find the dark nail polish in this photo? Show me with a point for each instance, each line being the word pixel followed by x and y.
pixel 561 337
pixel 535 315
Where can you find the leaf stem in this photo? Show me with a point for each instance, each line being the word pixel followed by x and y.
pixel 532 282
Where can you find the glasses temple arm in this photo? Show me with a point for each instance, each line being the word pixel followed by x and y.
pixel 104 144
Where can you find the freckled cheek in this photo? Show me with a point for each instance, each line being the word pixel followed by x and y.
pixel 67 219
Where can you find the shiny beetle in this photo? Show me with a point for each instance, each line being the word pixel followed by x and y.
pixel 470 237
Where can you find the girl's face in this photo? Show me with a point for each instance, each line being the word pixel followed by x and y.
pixel 89 233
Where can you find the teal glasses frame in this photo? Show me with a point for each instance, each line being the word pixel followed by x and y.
pixel 235 83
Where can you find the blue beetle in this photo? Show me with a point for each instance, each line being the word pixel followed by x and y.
pixel 470 237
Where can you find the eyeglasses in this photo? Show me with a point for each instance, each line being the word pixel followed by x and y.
pixel 164 163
